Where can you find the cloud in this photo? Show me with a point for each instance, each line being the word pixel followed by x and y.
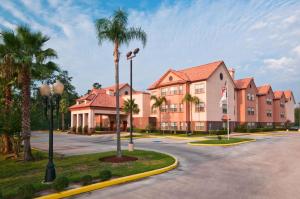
pixel 258 25
pixel 281 63
pixel 297 50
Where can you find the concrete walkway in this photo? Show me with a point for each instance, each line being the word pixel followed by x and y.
pixel 268 168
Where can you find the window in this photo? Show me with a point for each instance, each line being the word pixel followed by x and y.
pixel 173 108
pixel 249 96
pixel 224 108
pixel 221 76
pixel 199 107
pixel 182 125
pixel 199 126
pixel 199 88
pixel 164 108
pixel 180 107
pixel 164 125
pixel 250 111
pixel 251 125
pixel 269 101
pixel 170 78
pixel 173 125
pixel 180 89
pixel 282 114
pixel 173 90
pixel 164 91
pixel 126 93
pixel 269 113
pixel 282 104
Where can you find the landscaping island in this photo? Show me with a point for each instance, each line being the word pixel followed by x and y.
pixel 222 142
pixel 78 170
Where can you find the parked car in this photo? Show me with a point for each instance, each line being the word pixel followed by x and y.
pixel 294 128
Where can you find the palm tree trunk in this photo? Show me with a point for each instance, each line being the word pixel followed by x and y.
pixel 7 145
pixel 62 121
pixel 116 60
pixel 26 114
pixel 191 117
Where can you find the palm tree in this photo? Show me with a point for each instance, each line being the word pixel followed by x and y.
pixel 7 80
pixel 115 30
pixel 188 98
pixel 128 104
pixel 33 64
pixel 158 102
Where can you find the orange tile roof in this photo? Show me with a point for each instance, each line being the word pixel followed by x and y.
pixel 191 74
pixel 263 90
pixel 97 98
pixel 278 94
pixel 113 87
pixel 243 83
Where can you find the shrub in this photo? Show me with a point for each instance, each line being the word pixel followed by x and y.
pixel 26 191
pixel 61 183
pixel 219 137
pixel 98 128
pixel 38 155
pixel 86 180
pixel 74 129
pixel 85 129
pixel 137 130
pixel 105 175
pixel 1 195
pixel 80 129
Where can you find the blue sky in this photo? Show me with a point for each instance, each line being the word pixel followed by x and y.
pixel 258 38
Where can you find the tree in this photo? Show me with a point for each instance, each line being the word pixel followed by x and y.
pixel 115 29
pixel 96 85
pixel 158 102
pixel 188 98
pixel 8 76
pixel 128 105
pixel 33 63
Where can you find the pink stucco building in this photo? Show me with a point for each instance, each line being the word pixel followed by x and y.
pixel 250 105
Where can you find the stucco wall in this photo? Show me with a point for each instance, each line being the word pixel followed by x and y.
pixel 290 110
pixel 214 87
pixel 263 107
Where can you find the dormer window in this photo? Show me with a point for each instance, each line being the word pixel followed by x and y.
pixel 126 93
pixel 221 76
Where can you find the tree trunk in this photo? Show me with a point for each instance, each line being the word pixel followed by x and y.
pixel 26 113
pixel 116 60
pixel 62 121
pixel 191 117
pixel 7 145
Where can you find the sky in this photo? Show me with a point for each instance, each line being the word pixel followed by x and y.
pixel 259 38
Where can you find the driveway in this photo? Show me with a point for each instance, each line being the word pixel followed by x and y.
pixel 268 168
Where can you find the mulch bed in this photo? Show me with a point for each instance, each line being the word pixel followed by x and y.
pixel 115 159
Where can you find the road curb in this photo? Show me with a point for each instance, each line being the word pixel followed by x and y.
pixel 231 144
pixel 109 183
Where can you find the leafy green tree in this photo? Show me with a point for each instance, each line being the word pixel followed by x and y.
pixel 297 120
pixel 96 85
pixel 157 104
pixel 188 98
pixel 115 30
pixel 34 64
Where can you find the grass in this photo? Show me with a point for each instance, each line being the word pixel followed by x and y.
pixel 14 174
pixel 223 141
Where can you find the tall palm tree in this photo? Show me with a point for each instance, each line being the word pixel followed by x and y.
pixel 188 98
pixel 34 63
pixel 158 102
pixel 128 105
pixel 115 29
pixel 7 80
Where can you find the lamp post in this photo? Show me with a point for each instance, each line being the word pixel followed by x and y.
pixel 130 56
pixel 51 95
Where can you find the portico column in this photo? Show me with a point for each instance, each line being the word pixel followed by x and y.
pixel 77 122
pixel 72 118
pixel 91 116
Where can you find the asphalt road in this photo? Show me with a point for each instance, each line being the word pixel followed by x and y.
pixel 268 168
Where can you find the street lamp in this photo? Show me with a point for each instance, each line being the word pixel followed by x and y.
pixel 51 95
pixel 130 55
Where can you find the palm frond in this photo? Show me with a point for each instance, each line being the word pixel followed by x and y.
pixel 103 29
pixel 137 34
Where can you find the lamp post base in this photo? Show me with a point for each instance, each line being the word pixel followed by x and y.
pixel 50 172
pixel 130 147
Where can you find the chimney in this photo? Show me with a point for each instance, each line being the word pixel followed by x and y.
pixel 231 72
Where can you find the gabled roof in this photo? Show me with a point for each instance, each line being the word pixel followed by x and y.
pixel 278 95
pixel 97 98
pixel 191 74
pixel 243 83
pixel 289 94
pixel 263 90
pixel 113 87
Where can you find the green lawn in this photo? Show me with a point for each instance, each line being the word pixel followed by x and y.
pixel 223 141
pixel 13 174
